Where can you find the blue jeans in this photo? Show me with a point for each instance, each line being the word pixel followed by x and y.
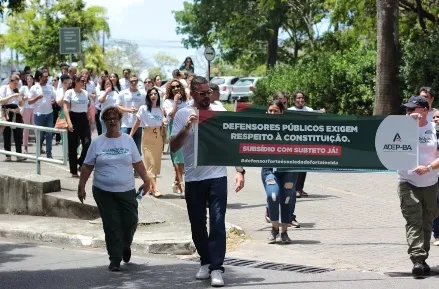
pixel 211 247
pixel 47 121
pixel 280 190
pixel 137 136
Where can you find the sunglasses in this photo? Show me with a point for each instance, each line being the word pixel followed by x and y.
pixel 148 82
pixel 435 116
pixel 175 86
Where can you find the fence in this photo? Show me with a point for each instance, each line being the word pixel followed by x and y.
pixel 38 156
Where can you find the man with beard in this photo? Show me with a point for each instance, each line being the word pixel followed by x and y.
pixel 204 185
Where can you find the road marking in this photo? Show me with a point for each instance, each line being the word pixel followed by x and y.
pixel 341 191
pixel 58 166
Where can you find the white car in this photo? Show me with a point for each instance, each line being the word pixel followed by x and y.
pixel 242 90
pixel 225 86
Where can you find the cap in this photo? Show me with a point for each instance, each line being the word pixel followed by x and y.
pixel 416 101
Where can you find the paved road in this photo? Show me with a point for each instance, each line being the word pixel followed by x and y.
pixel 34 266
pixel 349 221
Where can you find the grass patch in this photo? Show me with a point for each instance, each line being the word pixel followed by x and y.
pixel 234 239
pixel 229 106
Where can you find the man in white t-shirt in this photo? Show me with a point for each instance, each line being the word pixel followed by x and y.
pixel 203 185
pixel 125 81
pixel 418 188
pixel 42 96
pixel 129 102
pixel 428 94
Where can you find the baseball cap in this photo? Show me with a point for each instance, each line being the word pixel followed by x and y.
pixel 416 101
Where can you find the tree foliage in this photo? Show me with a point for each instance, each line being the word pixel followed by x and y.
pixel 34 32
pixel 125 54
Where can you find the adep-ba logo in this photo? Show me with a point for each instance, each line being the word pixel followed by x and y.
pixel 396 145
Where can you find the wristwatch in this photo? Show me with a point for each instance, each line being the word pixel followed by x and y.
pixel 430 168
pixel 240 170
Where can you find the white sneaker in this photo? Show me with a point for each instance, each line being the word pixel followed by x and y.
pixel 203 273
pixel 436 242
pixel 216 278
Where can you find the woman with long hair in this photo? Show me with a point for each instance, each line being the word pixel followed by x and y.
pixel 279 187
pixel 187 65
pixel 151 117
pixel 157 82
pixel 107 98
pixel 28 111
pixel 76 104
pixel 175 100
pixel 115 80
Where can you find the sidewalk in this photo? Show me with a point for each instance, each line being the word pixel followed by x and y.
pixel 349 221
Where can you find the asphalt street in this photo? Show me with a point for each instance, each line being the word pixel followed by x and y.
pixel 33 266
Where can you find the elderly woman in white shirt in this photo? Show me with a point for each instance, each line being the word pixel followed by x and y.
pixel 151 118
pixel 113 155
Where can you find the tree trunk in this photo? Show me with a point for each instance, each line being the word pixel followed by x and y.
pixel 387 100
pixel 272 49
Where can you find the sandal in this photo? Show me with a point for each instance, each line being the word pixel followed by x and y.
pixel 298 194
pixel 157 194
pixel 176 188
pixel 303 194
pixel 181 186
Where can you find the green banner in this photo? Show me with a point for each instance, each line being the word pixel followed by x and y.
pixel 300 142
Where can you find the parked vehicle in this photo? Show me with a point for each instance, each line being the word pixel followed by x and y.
pixel 225 86
pixel 242 90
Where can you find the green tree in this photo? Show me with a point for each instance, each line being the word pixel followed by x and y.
pixel 34 33
pixel 125 54
pixel 163 64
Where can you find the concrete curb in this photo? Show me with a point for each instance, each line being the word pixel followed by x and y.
pixel 229 226
pixel 155 247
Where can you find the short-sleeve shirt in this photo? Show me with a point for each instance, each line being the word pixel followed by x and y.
pixel 305 108
pixel 426 154
pixel 151 118
pixel 110 100
pixel 168 104
pixel 130 99
pixel 78 100
pixel 43 105
pixel 191 173
pixel 6 91
pixel 24 90
pixel 113 160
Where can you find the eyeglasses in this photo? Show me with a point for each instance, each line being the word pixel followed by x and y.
pixel 435 116
pixel 175 86
pixel 148 81
pixel 205 93
pixel 113 119
pixel 153 93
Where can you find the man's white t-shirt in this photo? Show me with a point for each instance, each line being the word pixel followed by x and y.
pixel 43 105
pixel 199 173
pixel 168 104
pixel 124 83
pixel 130 99
pixel 150 119
pixel 78 100
pixel 113 160
pixel 304 108
pixel 6 91
pixel 110 100
pixel 427 154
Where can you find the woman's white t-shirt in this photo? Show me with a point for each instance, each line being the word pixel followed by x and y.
pixel 110 100
pixel 24 90
pixel 78 100
pixel 130 99
pixel 426 154
pixel 113 160
pixel 43 105
pixel 150 119
pixel 6 91
pixel 168 104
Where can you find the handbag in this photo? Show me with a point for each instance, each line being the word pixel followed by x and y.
pixel 61 123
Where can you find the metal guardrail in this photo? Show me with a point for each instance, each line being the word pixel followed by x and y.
pixel 38 156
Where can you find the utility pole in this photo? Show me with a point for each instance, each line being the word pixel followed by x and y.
pixel 103 43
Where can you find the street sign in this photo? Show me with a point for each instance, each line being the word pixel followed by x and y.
pixel 209 53
pixel 70 40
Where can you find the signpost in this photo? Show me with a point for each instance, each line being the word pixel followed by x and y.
pixel 70 41
pixel 209 54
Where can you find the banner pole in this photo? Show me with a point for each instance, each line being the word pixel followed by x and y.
pixel 197 112
pixel 236 105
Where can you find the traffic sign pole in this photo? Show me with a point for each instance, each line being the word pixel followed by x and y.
pixel 209 54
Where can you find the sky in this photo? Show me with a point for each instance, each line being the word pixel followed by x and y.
pixel 150 24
